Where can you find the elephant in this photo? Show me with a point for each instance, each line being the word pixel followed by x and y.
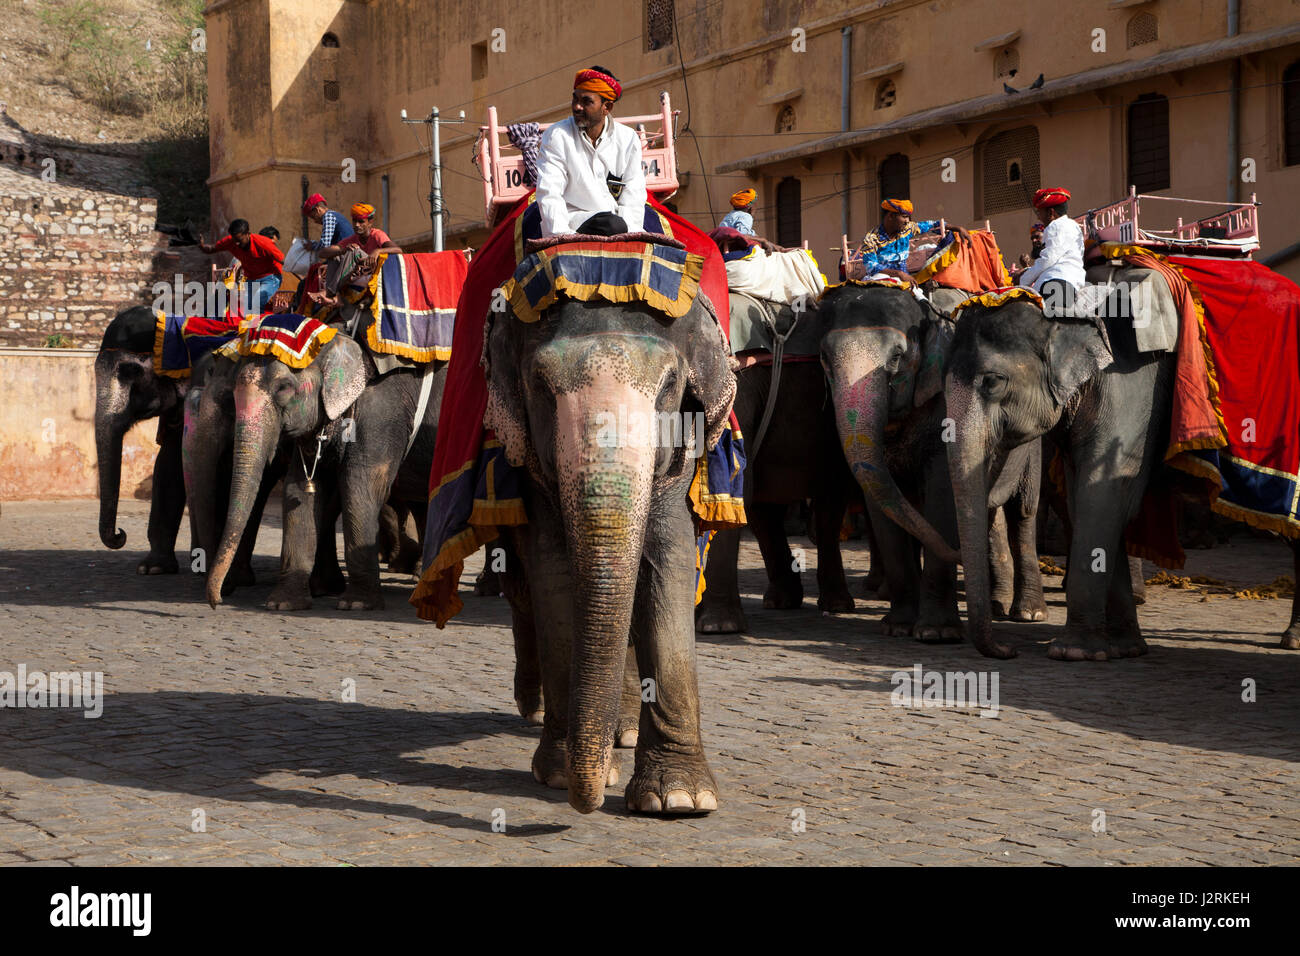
pixel 607 557
pixel 363 457
pixel 800 458
pixel 207 456
pixel 128 390
pixel 1014 375
pixel 883 352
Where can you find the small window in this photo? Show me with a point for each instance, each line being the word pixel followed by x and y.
pixel 1008 164
pixel 895 177
pixel 789 214
pixel 1006 64
pixel 658 24
pixel 785 119
pixel 1143 28
pixel 331 91
pixel 1291 114
pixel 885 94
pixel 330 41
pixel 1148 143
pixel 479 61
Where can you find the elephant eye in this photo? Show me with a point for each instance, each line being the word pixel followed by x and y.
pixel 992 382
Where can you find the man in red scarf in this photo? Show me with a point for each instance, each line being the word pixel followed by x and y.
pixel 589 176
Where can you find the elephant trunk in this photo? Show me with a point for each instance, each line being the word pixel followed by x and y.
pixel 605 499
pixel 112 420
pixel 205 438
pixel 860 391
pixel 968 466
pixel 257 434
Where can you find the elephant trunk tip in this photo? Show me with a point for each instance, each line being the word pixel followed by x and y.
pixel 112 539
pixel 586 800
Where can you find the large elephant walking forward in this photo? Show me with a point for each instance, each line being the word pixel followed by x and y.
pixel 608 552
pixel 129 390
pixel 1013 376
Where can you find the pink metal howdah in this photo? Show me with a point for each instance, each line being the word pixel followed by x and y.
pixel 1233 230
pixel 502 165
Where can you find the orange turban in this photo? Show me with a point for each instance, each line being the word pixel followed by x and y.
pixel 897 205
pixel 1047 198
pixel 362 210
pixel 602 84
pixel 741 199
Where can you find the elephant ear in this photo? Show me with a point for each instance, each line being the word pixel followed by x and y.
pixel 936 334
pixel 1076 351
pixel 505 404
pixel 711 374
pixel 342 375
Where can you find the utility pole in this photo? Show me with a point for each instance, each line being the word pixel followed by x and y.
pixel 434 121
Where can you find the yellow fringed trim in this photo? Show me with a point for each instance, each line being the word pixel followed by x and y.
pixel 938 264
pixel 991 300
pixel 637 292
pixel 159 335
pixel 713 511
pixel 700 562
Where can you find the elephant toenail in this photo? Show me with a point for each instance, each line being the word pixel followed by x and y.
pixel 650 804
pixel 707 800
pixel 679 800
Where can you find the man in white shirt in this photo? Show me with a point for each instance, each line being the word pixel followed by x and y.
pixel 1057 274
pixel 589 177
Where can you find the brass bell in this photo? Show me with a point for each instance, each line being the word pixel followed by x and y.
pixel 310 487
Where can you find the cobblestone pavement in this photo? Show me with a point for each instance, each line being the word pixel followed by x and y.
pixel 237 713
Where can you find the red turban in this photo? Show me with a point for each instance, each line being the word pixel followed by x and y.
pixel 314 200
pixel 1047 198
pixel 897 205
pixel 602 84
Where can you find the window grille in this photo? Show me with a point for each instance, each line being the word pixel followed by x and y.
pixel 1009 170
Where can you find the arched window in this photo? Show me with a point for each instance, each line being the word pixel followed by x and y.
pixel 1008 164
pixel 894 177
pixel 1143 28
pixel 1291 114
pixel 885 94
pixel 329 40
pixel 789 214
pixel 1148 143
pixel 785 119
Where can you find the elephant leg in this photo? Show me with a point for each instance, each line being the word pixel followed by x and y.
pixel 671 774
pixel 488 583
pixel 1122 629
pixel 1137 580
pixel 629 712
pixel 1291 636
pixel 363 491
pixel 390 534
pixel 938 621
pixel 1002 586
pixel 408 545
pixel 528 671
pixel 784 589
pixel 167 506
pixel 1095 548
pixel 875 585
pixel 832 588
pixel 719 610
pixel 902 573
pixel 1022 524
pixel 303 513
pixel 327 578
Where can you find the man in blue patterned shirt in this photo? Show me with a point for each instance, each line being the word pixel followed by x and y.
pixel 333 227
pixel 885 249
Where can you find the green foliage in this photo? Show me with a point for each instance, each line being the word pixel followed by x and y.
pixel 58 341
pixel 100 61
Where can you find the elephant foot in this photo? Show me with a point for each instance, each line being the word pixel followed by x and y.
pixel 720 618
pixel 1290 639
pixel 158 564
pixel 406 561
pixel 671 783
pixel 945 629
pixel 240 576
pixel 488 583
pixel 288 599
pixel 1081 644
pixel 327 583
pixel 1029 611
pixel 531 707
pixel 876 587
pixel 356 600
pixel 898 622
pixel 1127 645
pixel 625 737
pixel 785 595
pixel 835 602
pixel 549 765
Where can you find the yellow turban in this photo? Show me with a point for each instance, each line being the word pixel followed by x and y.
pixel 897 205
pixel 362 210
pixel 741 199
